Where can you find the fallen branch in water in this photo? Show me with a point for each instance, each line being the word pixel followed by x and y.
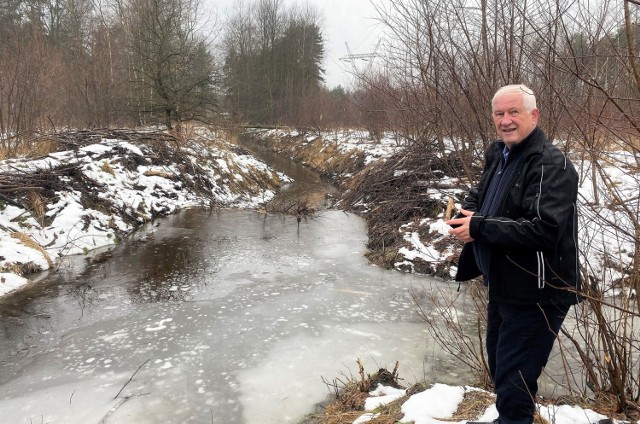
pixel 299 208
pixel 121 402
pixel 131 378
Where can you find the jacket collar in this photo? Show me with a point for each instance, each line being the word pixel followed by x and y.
pixel 533 143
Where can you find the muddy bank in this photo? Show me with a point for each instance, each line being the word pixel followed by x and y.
pixel 324 156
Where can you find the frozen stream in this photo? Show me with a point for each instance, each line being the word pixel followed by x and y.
pixel 224 317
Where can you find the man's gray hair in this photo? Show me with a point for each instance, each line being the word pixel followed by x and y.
pixel 528 98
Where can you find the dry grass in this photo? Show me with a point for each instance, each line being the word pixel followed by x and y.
pixel 43 146
pixel 538 419
pixel 106 167
pixel 12 268
pixel 325 158
pixel 39 146
pixel 349 403
pixel 473 405
pixel 264 179
pixel 37 205
pixel 349 407
pixel 29 242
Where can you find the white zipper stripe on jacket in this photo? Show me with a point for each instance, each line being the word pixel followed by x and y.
pixel 541 276
pixel 540 191
pixel 540 255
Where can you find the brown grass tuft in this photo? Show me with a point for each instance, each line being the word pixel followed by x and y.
pixel 36 205
pixel 29 242
pixel 43 146
pixel 21 268
pixel 350 406
pixel 12 268
pixel 39 146
pixel 473 405
pixel 106 167
pixel 538 419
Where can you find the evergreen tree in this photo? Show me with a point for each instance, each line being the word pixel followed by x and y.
pixel 273 60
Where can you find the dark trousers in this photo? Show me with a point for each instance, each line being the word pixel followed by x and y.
pixel 519 342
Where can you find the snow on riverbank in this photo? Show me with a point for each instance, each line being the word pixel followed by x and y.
pixel 344 141
pixel 439 402
pixel 92 196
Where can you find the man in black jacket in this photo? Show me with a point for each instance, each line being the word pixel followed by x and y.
pixel 519 226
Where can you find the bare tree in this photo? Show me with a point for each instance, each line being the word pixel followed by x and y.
pixel 172 68
pixel 24 64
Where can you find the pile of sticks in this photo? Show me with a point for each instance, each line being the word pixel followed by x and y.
pixel 401 190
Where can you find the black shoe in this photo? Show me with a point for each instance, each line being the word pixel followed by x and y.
pixel 604 421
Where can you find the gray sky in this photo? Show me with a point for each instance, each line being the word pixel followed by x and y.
pixel 346 21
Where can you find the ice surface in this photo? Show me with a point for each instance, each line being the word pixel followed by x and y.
pixel 225 317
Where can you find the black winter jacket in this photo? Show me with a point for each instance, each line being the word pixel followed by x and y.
pixel 534 238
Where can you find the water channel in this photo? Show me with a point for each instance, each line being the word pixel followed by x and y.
pixel 223 316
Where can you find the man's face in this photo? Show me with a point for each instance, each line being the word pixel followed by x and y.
pixel 513 122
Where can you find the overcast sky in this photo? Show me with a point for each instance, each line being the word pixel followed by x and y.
pixel 346 21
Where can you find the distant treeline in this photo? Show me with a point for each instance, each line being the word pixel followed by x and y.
pixel 106 63
pixel 82 63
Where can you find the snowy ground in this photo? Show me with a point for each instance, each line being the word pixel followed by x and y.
pixel 347 141
pixel 440 402
pixel 148 189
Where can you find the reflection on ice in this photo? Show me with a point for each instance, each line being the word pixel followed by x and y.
pixel 226 325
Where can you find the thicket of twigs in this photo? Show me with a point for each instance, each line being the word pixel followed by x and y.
pixel 407 187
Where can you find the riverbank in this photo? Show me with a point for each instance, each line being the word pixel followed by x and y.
pixel 92 188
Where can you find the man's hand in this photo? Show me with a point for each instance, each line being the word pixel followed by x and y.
pixel 461 232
